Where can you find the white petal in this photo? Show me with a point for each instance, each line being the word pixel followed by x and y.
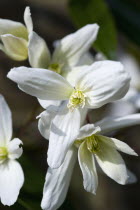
pixel 28 19
pixel 57 182
pixel 14 28
pixel 72 47
pixel 46 117
pixel 87 165
pixel 114 123
pixel 103 82
pixel 72 75
pixel 15 47
pixel 119 145
pixel 39 55
pixel 14 149
pixel 11 181
pixel 120 108
pixel 88 130
pixel 100 57
pixel 132 178
pixel 137 101
pixel 132 66
pixel 111 163
pixel 48 103
pixel 64 130
pixel 42 83
pixel 83 114
pixel 86 59
pixel 133 97
pixel 5 122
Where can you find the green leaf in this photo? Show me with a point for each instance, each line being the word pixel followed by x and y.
pixel 127 14
pixel 96 11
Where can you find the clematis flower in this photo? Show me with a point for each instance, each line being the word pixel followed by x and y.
pixel 11 173
pixel 68 51
pixel 95 85
pixel 129 104
pixel 91 144
pixel 20 42
pixel 17 40
pixel 133 96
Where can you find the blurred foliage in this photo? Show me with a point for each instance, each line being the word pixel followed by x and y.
pixel 93 11
pixel 127 16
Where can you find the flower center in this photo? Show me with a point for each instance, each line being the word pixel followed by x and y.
pixel 77 99
pixel 92 144
pixel 55 67
pixel 3 153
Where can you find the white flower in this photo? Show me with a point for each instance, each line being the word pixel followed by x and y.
pixel 95 85
pixel 91 144
pixel 68 51
pixel 129 104
pixel 11 173
pixel 21 42
pixel 131 65
pixel 18 40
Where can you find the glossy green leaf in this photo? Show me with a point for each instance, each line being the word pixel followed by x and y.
pixel 83 12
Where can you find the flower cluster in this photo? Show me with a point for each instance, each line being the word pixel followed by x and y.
pixel 67 84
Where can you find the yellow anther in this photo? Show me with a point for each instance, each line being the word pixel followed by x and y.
pixel 55 67
pixel 92 144
pixel 77 99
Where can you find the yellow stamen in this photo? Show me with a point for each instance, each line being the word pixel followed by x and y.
pixel 3 153
pixel 92 144
pixel 77 99
pixel 55 67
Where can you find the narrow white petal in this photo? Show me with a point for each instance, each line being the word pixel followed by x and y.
pixel 11 181
pixel 103 82
pixel 119 145
pixel 48 103
pixel 133 97
pixel 14 28
pixel 57 182
pixel 5 122
pixel 15 47
pixel 42 83
pixel 114 123
pixel 87 165
pixel 132 177
pixel 70 49
pixel 120 108
pixel 137 101
pixel 46 117
pixel 88 130
pixel 83 114
pixel 28 19
pixel 38 52
pixel 64 129
pixel 112 163
pixel 14 149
